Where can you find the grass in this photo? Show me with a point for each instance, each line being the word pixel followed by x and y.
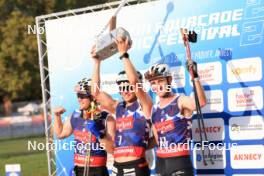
pixel 15 151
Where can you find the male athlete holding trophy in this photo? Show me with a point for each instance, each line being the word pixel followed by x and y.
pixel 132 126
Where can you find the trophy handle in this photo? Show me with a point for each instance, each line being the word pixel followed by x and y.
pixel 112 23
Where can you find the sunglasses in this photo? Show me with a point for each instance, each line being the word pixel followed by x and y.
pixel 125 88
pixel 82 96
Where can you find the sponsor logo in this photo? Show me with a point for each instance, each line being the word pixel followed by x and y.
pixel 239 128
pixel 243 70
pixel 206 74
pixel 245 97
pixel 217 156
pixel 83 136
pixel 125 123
pixel 165 126
pixel 250 156
pixel 247 157
pixel 108 83
pixel 214 101
pixel 211 129
pixel 129 151
pixel 126 150
pixel 210 73
pixel 241 99
pixel 214 127
pixel 246 127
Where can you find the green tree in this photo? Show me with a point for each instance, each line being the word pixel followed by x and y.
pixel 19 68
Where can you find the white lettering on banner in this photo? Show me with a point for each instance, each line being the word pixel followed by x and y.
pixel 204 54
pixel 247 157
pixel 246 128
pixel 210 73
pixel 243 70
pixel 178 75
pixel 242 99
pixel 127 150
pixel 214 127
pixel 209 26
pixel 214 101
pixel 218 157
pixel 220 32
pixel 172 25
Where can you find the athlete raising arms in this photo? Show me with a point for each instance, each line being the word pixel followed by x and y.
pixel 132 126
pixel 171 118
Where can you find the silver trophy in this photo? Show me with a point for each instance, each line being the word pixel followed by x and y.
pixel 105 45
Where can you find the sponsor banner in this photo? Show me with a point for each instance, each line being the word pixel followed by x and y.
pixel 178 76
pixel 247 157
pixel 13 169
pixel 243 70
pixel 248 175
pixel 4 122
pixel 238 27
pixel 210 175
pixel 245 99
pixel 210 73
pixel 21 120
pixel 246 128
pixel 37 119
pixel 218 158
pixel 214 101
pixel 214 128
pixel 108 83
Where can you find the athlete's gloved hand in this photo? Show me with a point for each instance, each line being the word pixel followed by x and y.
pixel 192 65
pixel 96 128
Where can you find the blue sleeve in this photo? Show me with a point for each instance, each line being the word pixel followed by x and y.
pixel 75 115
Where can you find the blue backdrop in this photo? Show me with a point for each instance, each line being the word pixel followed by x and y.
pixel 229 54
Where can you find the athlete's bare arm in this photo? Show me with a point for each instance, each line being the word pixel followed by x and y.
pixel 105 100
pixel 144 98
pixel 108 140
pixel 61 130
pixel 155 134
pixel 187 104
pixel 152 143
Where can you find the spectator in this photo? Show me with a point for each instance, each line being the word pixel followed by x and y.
pixel 7 106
